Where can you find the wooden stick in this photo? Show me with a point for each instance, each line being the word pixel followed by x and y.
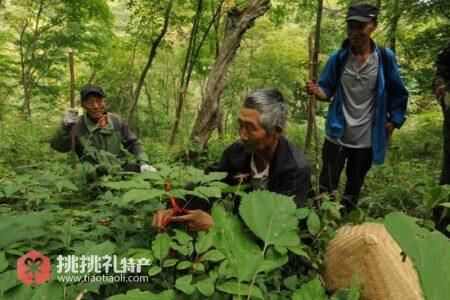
pixel 72 100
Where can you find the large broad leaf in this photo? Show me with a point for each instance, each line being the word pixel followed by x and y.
pixel 161 246
pixel 184 284
pixel 243 255
pixel 19 227
pixel 139 195
pixel 239 289
pixel 205 286
pixel 430 252
pixel 271 217
pixel 126 185
pixel 136 294
pixel 312 290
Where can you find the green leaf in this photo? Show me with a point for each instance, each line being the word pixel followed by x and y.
pixel 135 294
pixel 170 262
pixel 204 241
pixel 213 255
pixel 182 237
pixel 102 249
pixel 303 213
pixel 161 246
pixel 205 286
pixel 209 191
pixel 235 288
pixel 139 195
pixel 184 265
pixel 3 261
pixel 268 266
pixel 154 270
pixel 127 185
pixel 446 204
pixel 199 267
pixel 313 223
pixel 312 290
pixel 353 292
pixel 299 251
pixel 214 176
pixel 8 280
pixel 271 217
pixel 10 190
pixel 430 252
pixel 65 185
pixel 291 282
pixel 184 284
pixel 242 253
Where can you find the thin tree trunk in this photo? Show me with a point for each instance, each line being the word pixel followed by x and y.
pixel 240 22
pixel 394 25
pixel 191 57
pixel 312 122
pixel 152 111
pixel 314 71
pixel 26 67
pixel 151 56
pixel 378 6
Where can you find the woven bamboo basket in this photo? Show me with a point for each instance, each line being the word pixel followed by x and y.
pixel 384 272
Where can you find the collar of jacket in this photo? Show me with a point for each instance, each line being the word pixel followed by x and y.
pixel 281 162
pixel 91 126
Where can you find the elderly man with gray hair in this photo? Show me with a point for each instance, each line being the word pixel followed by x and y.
pixel 262 157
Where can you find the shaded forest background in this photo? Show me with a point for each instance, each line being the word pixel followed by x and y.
pixel 159 63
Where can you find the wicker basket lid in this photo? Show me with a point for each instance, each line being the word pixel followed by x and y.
pixel 384 271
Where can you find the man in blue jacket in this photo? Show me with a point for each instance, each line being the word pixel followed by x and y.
pixel 369 101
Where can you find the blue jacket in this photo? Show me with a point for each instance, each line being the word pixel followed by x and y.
pixel 390 104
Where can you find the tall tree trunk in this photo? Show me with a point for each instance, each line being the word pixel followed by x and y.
pixel 313 72
pixel 378 6
pixel 394 25
pixel 240 22
pixel 28 64
pixel 152 111
pixel 190 60
pixel 151 56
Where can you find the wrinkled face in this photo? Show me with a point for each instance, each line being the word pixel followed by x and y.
pixel 359 32
pixel 252 134
pixel 94 105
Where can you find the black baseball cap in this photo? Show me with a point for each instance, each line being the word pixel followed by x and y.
pixel 362 12
pixel 92 90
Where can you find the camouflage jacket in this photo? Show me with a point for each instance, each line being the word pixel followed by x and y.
pixel 442 75
pixel 100 145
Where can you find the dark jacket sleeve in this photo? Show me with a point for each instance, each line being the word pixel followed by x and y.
pixel 224 165
pixel 131 143
pixel 61 139
pixel 296 183
pixel 442 61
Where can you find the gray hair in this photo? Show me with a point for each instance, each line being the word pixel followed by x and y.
pixel 271 105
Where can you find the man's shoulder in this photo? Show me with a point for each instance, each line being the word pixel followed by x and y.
pixel 235 147
pixel 295 154
pixel 116 119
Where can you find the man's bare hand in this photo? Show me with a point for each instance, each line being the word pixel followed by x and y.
pixel 313 88
pixel 196 220
pixel 389 129
pixel 440 91
pixel 160 217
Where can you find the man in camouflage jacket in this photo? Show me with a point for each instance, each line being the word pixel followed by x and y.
pixel 101 136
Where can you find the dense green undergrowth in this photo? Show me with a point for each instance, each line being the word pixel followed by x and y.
pixel 48 206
